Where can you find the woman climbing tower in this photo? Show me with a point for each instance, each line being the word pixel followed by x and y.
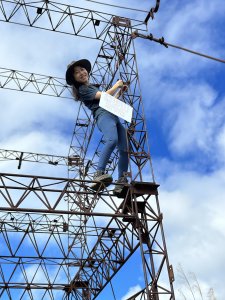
pixel 114 134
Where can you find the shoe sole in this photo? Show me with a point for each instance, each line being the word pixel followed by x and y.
pixel 104 178
pixel 119 189
pixel 117 192
pixel 105 182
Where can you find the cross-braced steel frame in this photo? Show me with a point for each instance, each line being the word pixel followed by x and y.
pixel 60 239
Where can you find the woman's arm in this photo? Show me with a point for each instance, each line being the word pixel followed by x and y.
pixel 111 91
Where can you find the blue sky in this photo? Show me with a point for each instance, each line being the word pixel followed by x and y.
pixel 184 101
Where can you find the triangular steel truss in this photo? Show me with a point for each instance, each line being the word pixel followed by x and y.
pixel 59 238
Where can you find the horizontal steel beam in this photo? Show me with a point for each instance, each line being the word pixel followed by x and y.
pixel 67 19
pixel 21 156
pixel 34 83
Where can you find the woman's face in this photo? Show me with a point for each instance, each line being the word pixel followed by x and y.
pixel 81 75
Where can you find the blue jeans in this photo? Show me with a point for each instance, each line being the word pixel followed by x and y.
pixel 114 134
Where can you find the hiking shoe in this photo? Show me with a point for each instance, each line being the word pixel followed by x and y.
pixel 102 176
pixel 103 179
pixel 118 188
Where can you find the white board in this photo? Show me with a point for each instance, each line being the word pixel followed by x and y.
pixel 116 106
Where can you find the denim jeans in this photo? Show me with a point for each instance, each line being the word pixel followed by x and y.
pixel 114 134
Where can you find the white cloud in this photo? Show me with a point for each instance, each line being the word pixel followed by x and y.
pixel 220 142
pixel 180 94
pixel 195 119
pixel 132 290
pixel 191 117
pixel 192 204
pixel 190 25
pixel 179 89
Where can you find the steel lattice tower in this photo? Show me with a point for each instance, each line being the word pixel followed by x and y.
pixel 79 239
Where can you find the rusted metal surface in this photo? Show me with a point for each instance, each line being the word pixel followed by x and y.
pixel 53 16
pixel 20 156
pixel 34 83
pixel 61 239
pixel 41 213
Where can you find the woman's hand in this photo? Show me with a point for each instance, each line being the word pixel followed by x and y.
pixel 119 83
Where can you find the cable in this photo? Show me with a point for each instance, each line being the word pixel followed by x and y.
pixel 118 6
pixel 162 42
pixel 197 53
pixel 113 292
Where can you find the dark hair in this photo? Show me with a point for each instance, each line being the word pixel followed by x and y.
pixel 75 93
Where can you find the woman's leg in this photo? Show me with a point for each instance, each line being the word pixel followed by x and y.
pixel 107 124
pixel 123 150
